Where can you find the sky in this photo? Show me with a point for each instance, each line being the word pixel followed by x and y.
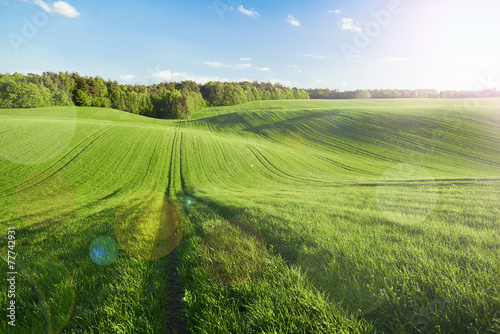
pixel 345 45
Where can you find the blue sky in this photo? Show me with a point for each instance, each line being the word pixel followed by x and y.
pixel 445 44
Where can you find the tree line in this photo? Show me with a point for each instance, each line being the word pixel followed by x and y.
pixel 163 100
pixel 372 93
pixel 326 93
pixel 177 100
pixel 450 94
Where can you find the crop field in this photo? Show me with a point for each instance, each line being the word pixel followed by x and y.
pixel 296 216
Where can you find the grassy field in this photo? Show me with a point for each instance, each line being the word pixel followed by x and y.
pixel 306 216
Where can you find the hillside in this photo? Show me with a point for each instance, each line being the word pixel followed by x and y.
pixel 376 215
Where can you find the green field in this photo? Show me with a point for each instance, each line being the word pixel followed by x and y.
pixel 374 215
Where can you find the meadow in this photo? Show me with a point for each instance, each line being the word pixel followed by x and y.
pixel 296 216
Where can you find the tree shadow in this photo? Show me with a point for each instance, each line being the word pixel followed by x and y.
pixel 220 120
pixel 284 124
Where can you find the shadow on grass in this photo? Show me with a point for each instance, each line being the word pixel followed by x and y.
pixel 234 119
pixel 286 123
pixel 224 120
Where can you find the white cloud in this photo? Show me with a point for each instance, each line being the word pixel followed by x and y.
pixel 156 76
pixel 248 12
pixel 162 75
pixel 64 8
pixel 58 7
pixel 288 83
pixel 283 82
pixel 293 21
pixel 214 63
pixel 344 83
pixel 334 11
pixel 127 77
pixel 264 69
pixel 316 56
pixel 241 66
pixel 219 64
pixel 198 79
pixel 245 59
pixel 349 24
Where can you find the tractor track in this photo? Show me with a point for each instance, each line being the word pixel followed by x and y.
pixel 175 319
pixel 272 169
pixel 62 158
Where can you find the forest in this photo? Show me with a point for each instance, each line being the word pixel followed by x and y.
pixel 163 100
pixel 177 100
pixel 399 93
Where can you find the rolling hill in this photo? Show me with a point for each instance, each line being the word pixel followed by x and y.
pixel 375 215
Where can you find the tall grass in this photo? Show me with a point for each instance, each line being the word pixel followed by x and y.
pixel 376 216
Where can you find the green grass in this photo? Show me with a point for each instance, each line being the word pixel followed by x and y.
pixel 376 216
pixel 233 252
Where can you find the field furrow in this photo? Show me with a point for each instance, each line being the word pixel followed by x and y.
pixel 377 216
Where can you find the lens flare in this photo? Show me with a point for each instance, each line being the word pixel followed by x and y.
pixel 406 194
pixel 35 139
pixel 45 292
pixel 233 252
pixel 103 251
pixel 148 225
pixel 44 200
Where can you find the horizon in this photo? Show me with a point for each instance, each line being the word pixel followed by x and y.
pixel 478 89
pixel 316 45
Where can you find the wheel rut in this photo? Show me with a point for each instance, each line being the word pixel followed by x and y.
pixel 175 315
